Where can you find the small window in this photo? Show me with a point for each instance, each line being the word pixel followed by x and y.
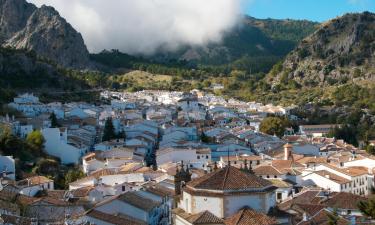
pixel 279 196
pixel 123 188
pixel 275 176
pixel 207 158
pixel 268 176
pixel 198 157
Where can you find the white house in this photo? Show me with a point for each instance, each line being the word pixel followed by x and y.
pixel 7 167
pixel 351 179
pixel 196 158
pixel 57 145
pixel 132 205
pixel 32 185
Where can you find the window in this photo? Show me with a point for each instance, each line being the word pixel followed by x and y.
pixel 279 196
pixel 206 156
pixel 275 176
pixel 198 157
pixel 349 212
pixel 123 188
pixel 268 176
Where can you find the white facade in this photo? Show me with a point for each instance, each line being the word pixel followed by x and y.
pixel 7 167
pixel 57 145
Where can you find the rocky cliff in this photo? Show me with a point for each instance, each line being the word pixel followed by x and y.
pixel 43 30
pixel 341 50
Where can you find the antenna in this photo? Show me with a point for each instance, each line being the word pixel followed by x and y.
pixel 228 157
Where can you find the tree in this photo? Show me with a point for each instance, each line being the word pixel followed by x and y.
pixel 47 167
pixel 370 149
pixel 12 145
pixel 109 130
pixel 273 126
pixel 368 207
pixel 333 217
pixel 205 138
pixel 73 175
pixel 35 141
pixel 53 120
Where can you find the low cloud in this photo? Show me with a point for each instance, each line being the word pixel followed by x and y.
pixel 144 26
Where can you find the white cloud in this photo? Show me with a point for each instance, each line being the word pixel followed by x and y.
pixel 143 26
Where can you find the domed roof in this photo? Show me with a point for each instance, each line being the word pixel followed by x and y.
pixel 229 178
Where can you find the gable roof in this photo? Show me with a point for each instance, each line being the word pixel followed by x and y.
pixel 204 217
pixel 333 177
pixel 321 218
pixel 138 201
pixel 344 200
pixel 114 219
pixel 229 178
pixel 247 216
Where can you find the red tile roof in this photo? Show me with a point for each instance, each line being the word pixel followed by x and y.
pixel 248 216
pixel 114 219
pixel 344 200
pixel 229 178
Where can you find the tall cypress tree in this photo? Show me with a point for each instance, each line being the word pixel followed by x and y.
pixel 53 120
pixel 109 130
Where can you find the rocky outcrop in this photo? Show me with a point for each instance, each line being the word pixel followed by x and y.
pixel 43 30
pixel 341 50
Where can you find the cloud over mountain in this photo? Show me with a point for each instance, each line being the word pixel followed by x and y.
pixel 144 26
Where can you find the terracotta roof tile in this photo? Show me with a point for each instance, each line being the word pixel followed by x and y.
pixel 333 177
pixel 229 178
pixel 344 200
pixel 137 201
pixel 248 216
pixel 114 219
pixel 321 218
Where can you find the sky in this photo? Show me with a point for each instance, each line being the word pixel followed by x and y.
pixel 315 10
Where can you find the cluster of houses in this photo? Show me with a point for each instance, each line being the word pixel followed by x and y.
pixel 183 158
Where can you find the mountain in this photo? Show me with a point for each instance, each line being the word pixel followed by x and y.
pixel 341 50
pixel 43 30
pixel 254 45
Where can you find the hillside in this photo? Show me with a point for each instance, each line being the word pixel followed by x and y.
pixel 254 45
pixel 341 50
pixel 42 30
pixel 24 71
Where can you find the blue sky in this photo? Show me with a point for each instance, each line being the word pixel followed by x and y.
pixel 315 10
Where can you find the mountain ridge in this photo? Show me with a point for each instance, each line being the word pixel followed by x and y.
pixel 43 30
pixel 342 49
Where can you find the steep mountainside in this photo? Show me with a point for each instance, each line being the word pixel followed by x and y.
pixel 253 45
pixel 251 38
pixel 43 30
pixel 341 50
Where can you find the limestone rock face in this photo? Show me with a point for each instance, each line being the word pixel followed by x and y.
pixel 42 30
pixel 342 49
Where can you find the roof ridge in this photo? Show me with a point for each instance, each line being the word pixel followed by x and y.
pixel 240 217
pixel 201 215
pixel 225 177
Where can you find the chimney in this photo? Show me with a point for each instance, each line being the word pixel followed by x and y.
pixel 288 149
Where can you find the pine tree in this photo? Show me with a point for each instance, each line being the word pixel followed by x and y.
pixel 109 130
